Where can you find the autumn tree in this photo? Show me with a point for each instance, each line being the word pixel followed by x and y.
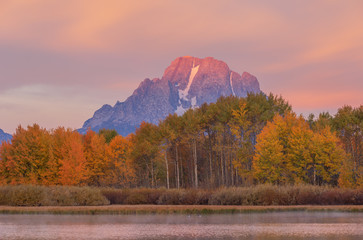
pixel 288 151
pixel 168 138
pixel 300 158
pixel 261 109
pixel 108 134
pixel 68 156
pixel 8 167
pixel 247 122
pixel 241 129
pixel 120 170
pixel 28 157
pixel 146 154
pixel 171 134
pixel 348 124
pixel 329 156
pixel 234 141
pixel 95 154
pixel 192 130
pixel 269 163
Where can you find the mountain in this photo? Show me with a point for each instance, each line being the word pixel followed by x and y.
pixel 187 82
pixel 4 136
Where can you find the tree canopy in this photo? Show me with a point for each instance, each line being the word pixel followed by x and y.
pixel 232 142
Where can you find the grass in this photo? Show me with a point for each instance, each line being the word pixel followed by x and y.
pixel 171 209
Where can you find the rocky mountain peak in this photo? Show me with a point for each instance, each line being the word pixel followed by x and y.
pixel 187 83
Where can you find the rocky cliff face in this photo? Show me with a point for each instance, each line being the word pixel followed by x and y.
pixel 187 82
pixel 4 136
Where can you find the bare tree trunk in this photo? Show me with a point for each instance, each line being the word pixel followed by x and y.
pixel 231 167
pixel 191 166
pixel 177 167
pixel 146 178
pixel 182 173
pixel 314 176
pixel 195 163
pixel 211 180
pixel 167 169
pixel 225 170
pixel 222 170
pixel 236 176
pixel 210 169
pixel 152 175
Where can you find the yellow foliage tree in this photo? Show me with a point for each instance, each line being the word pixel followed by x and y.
pixel 287 151
pixel 329 156
pixel 299 156
pixel 268 162
pixel 241 130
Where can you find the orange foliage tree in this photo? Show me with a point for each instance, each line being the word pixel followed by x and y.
pixel 120 169
pixel 95 153
pixel 69 157
pixel 27 159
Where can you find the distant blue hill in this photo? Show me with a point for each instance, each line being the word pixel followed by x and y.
pixel 5 136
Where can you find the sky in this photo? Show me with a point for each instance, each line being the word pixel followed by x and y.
pixel 61 60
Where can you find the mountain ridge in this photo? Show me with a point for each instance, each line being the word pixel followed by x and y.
pixel 5 136
pixel 187 82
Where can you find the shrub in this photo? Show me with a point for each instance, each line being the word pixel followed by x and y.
pixel 30 195
pixel 27 195
pixel 153 195
pixel 136 197
pixel 358 197
pixel 170 197
pixel 86 196
pixel 194 197
pixel 115 196
pixel 4 195
pixel 226 196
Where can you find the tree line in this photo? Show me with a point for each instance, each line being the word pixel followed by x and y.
pixel 233 142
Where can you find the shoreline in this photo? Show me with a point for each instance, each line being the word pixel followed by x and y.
pixel 174 209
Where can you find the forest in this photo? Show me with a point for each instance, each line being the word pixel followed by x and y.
pixel 235 142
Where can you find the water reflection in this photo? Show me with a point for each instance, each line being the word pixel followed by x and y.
pixel 299 225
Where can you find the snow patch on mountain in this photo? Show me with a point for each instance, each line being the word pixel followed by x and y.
pixel 184 93
pixel 194 102
pixel 180 110
pixel 230 83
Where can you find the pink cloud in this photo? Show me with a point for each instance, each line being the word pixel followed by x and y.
pixel 312 53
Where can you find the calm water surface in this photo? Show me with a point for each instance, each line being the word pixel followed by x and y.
pixel 286 225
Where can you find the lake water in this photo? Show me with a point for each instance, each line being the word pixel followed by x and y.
pixel 283 225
